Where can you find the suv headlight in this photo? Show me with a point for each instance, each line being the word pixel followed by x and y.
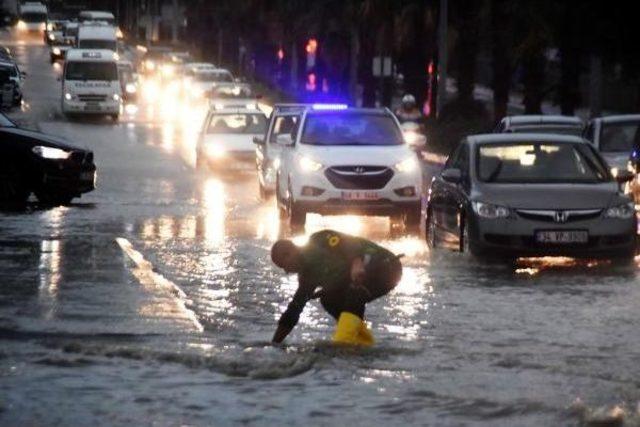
pixel 408 165
pixel 68 96
pixel 116 97
pixel 51 153
pixel 309 165
pixel 486 210
pixel 623 211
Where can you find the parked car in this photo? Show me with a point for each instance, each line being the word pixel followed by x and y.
pixel 51 168
pixel 16 77
pixel 564 125
pixel 527 195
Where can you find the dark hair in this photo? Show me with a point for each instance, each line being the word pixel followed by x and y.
pixel 281 250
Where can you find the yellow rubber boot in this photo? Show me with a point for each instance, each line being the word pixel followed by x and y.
pixel 351 330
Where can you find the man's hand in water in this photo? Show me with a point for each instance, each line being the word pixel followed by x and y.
pixel 281 334
pixel 357 271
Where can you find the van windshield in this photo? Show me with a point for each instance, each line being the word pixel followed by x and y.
pixel 97 44
pixel 34 17
pixel 103 71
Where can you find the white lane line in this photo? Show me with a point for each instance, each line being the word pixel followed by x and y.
pixel 151 280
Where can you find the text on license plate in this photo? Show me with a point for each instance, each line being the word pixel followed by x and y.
pixel 360 195
pixel 562 237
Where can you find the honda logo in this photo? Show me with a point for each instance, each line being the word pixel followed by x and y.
pixel 561 216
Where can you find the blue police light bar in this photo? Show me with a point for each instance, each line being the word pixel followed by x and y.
pixel 329 107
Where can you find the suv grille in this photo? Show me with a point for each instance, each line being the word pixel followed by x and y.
pixel 359 177
pixel 92 98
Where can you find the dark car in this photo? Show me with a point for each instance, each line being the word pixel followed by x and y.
pixel 529 195
pixel 49 167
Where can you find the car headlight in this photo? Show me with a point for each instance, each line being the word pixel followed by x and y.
pixel 150 65
pixel 49 27
pixel 52 37
pixel 408 165
pixel 56 51
pixel 21 25
pixel 51 153
pixel 116 97
pixel 309 165
pixel 487 210
pixel 68 96
pixel 214 151
pixel 623 211
pixel 276 163
pixel 411 137
pixel 130 88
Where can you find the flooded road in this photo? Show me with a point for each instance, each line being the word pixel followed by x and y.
pixel 152 300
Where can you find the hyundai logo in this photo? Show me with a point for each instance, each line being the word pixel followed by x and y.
pixel 359 170
pixel 561 216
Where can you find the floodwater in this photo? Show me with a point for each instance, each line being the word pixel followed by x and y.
pixel 152 300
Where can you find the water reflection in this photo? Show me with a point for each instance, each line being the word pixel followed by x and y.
pixel 49 268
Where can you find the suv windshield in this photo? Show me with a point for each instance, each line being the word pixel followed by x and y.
pixel 237 124
pixel 106 71
pixel 620 137
pixel 544 162
pixel 342 128
pixel 97 44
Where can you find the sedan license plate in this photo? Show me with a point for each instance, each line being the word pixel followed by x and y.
pixel 360 195
pixel 92 107
pixel 562 237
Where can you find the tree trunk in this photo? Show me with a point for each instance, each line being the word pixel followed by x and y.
pixel 533 64
pixel 501 58
pixel 467 49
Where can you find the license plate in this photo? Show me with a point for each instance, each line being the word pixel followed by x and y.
pixel 360 195
pixel 562 237
pixel 92 107
pixel 86 176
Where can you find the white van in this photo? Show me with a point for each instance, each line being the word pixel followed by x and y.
pixel 90 83
pixel 97 35
pixel 100 16
pixel 33 17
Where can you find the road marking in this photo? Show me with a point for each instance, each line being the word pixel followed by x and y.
pixel 153 281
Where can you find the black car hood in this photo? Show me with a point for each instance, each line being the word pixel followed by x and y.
pixel 550 196
pixel 38 138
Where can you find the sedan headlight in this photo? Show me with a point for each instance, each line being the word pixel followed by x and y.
pixel 623 211
pixel 408 165
pixel 68 96
pixel 309 165
pixel 56 51
pixel 489 211
pixel 51 153
pixel 130 88
pixel 116 97
pixel 214 151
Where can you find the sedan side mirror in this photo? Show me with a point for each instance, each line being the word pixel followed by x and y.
pixel 258 140
pixel 624 176
pixel 453 175
pixel 284 140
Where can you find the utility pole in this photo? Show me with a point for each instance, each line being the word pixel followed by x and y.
pixel 175 22
pixel 442 56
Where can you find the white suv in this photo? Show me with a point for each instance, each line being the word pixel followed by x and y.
pixel 340 160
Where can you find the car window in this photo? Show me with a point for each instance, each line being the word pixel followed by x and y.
pixel 351 129
pixel 283 125
pixel 453 157
pixel 619 137
pixel 549 129
pixel 540 162
pixel 97 44
pixel 589 133
pixel 237 124
pixel 5 122
pixel 462 160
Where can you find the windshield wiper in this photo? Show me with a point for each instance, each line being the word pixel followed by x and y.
pixel 496 171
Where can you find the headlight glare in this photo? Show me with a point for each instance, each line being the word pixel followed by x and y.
pixel 68 96
pixel 309 165
pixel 623 211
pixel 51 153
pixel 116 97
pixel 489 211
pixel 130 88
pixel 408 165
